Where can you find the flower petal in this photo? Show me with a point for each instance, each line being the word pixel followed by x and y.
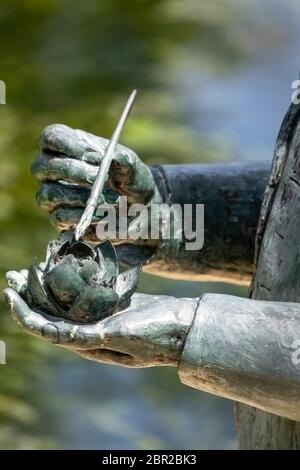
pixel 126 285
pixel 63 249
pixel 81 250
pixel 91 272
pixel 35 293
pixel 64 281
pixel 94 304
pixel 108 261
pixel 51 254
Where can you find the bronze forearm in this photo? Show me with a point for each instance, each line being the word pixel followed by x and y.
pixel 232 195
pixel 246 350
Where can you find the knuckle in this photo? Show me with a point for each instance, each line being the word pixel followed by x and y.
pixel 36 166
pixel 57 218
pixel 124 158
pixel 50 133
pixel 63 218
pixel 48 196
pixel 59 215
pixel 42 197
pixel 45 167
pixel 50 332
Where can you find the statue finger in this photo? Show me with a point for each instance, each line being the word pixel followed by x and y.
pixel 54 168
pixel 53 194
pixel 30 321
pixel 78 144
pixel 52 329
pixel 128 174
pixel 130 177
pixel 65 217
pixel 63 139
pixel 17 280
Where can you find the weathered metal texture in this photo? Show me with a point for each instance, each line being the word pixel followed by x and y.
pixel 277 273
pixel 232 194
pixel 139 336
pixel 241 349
pixel 72 156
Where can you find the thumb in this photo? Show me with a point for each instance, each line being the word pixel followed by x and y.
pixel 20 311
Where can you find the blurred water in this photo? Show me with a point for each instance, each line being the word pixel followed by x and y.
pixel 215 82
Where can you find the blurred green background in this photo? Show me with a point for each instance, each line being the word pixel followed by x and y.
pixel 214 81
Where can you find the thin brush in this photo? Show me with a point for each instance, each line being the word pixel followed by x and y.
pixel 98 185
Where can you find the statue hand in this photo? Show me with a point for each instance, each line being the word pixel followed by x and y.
pixel 151 332
pixel 72 157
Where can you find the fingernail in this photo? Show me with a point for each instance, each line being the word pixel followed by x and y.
pixel 50 332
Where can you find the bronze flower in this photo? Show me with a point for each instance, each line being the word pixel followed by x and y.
pixel 80 283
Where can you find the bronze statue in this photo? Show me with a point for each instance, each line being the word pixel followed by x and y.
pixel 79 282
pixel 234 347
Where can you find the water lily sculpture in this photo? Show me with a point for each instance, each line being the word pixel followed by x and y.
pixel 80 283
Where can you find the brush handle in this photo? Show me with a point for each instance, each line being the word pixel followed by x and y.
pixel 103 171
